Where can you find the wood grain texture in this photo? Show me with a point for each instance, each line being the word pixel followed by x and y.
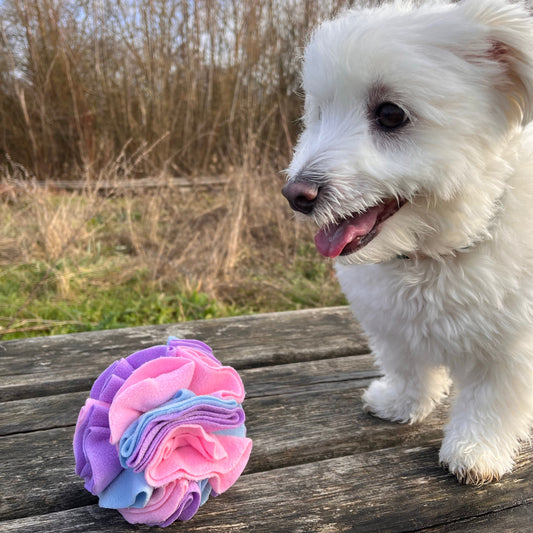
pixel 67 363
pixel 287 430
pixel 319 463
pixel 516 519
pixel 385 490
pixel 59 410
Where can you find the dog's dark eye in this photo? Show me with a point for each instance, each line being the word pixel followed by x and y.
pixel 390 116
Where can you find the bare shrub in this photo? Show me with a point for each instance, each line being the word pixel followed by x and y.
pixel 82 79
pixel 107 91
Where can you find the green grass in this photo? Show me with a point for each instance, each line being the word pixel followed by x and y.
pixel 30 302
pixel 34 300
pixel 78 262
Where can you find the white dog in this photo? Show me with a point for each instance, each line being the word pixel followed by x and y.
pixel 417 165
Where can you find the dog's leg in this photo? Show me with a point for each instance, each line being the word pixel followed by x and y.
pixel 492 413
pixel 408 391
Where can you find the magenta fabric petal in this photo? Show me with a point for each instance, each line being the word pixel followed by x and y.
pixel 239 453
pixel 191 452
pixel 211 377
pixel 223 382
pixel 152 384
pixel 178 500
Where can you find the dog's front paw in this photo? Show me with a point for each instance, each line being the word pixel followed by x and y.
pixel 474 463
pixel 397 401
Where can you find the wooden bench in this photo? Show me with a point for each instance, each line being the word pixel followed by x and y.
pixel 319 464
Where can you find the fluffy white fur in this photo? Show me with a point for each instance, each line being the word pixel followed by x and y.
pixel 461 307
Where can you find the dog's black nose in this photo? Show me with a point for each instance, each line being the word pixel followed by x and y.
pixel 302 195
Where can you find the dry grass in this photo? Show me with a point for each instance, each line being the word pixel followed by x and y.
pixel 228 250
pixel 104 90
pixel 82 79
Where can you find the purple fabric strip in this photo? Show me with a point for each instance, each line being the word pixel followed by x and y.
pixel 140 441
pixel 122 369
pixel 187 507
pixel 97 460
pixel 174 344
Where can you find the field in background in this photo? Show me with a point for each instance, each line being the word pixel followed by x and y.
pixel 80 261
pixel 205 84
pixel 113 90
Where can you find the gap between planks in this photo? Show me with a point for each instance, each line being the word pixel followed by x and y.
pixel 353 493
pixel 68 363
pixel 62 409
pixel 38 469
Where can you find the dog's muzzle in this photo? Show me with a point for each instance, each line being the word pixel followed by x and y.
pixel 346 234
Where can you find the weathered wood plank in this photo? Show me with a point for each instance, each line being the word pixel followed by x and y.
pixel 61 410
pixel 514 520
pixel 37 414
pixel 319 463
pixel 389 490
pixel 37 469
pixel 68 363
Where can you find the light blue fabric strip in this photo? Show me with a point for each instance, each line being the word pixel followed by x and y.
pixel 184 399
pixel 232 432
pixel 205 489
pixel 128 489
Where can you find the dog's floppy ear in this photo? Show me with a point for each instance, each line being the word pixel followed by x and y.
pixel 508 34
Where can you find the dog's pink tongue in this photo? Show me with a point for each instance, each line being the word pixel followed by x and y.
pixel 331 240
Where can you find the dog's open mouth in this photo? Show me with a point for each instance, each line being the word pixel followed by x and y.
pixel 350 234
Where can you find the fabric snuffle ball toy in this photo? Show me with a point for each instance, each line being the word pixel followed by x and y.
pixel 162 431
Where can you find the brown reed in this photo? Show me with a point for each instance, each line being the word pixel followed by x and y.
pixel 205 80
